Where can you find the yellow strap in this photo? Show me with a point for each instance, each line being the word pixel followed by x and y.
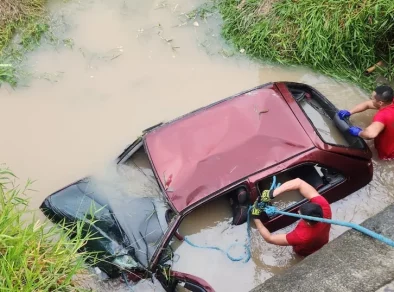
pixel 265 195
pixel 255 211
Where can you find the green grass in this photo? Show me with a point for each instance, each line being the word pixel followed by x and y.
pixel 7 74
pixel 341 38
pixel 35 256
pixel 22 24
pixel 25 17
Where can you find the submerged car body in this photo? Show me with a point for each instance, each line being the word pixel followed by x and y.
pixel 279 129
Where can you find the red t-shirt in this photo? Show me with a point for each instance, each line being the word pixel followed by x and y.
pixel 384 142
pixel 307 239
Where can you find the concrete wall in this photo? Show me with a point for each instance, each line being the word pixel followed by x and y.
pixel 351 262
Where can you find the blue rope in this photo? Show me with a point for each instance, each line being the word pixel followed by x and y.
pixel 274 185
pixel 247 255
pixel 271 210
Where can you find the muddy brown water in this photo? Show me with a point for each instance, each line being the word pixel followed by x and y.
pixel 134 64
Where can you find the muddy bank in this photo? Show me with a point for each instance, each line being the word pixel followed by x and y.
pixel 351 262
pixel 124 73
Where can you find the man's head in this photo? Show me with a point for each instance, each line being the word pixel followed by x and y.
pixel 382 96
pixel 311 209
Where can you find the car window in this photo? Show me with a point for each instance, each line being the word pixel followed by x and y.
pixel 320 177
pixel 320 112
pixel 323 123
pixel 136 176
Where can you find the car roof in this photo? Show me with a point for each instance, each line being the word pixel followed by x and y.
pixel 209 149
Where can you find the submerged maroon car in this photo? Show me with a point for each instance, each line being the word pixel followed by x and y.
pixel 234 146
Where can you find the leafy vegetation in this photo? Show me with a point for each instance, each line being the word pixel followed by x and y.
pixel 7 74
pixel 26 20
pixel 341 38
pixel 35 256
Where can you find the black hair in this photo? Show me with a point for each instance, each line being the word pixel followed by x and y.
pixel 311 209
pixel 384 93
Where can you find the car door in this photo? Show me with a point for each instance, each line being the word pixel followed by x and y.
pixel 324 178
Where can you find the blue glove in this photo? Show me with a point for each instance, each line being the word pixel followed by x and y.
pixel 344 114
pixel 355 131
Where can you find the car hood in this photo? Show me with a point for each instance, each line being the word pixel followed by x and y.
pixel 127 223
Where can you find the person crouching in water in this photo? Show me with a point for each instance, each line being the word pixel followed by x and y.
pixel 308 236
pixel 382 127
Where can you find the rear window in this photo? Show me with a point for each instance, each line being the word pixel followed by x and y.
pixel 320 112
pixel 323 123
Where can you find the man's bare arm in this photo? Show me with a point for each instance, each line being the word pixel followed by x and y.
pixel 297 184
pixel 362 107
pixel 372 130
pixel 278 239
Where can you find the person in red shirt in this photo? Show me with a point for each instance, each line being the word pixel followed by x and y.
pixel 382 127
pixel 308 236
